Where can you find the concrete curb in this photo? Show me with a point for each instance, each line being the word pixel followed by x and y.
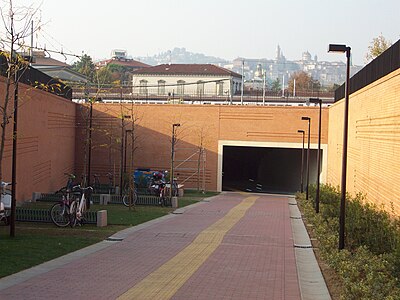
pixel 312 283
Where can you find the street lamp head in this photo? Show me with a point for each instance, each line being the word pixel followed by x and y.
pixel 176 125
pixel 337 48
pixel 306 118
pixel 300 131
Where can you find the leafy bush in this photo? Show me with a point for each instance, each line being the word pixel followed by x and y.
pixel 370 266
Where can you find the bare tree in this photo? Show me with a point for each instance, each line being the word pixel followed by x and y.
pixel 17 26
pixel 16 21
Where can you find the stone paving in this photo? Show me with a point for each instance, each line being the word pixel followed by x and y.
pixel 236 246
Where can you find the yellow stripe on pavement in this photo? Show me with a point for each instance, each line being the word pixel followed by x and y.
pixel 164 282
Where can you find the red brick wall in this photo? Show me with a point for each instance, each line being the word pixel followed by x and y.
pixel 46 141
pixel 212 122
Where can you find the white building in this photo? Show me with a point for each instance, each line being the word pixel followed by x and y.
pixel 186 80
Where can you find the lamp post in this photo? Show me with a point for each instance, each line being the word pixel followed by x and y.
pixel 123 117
pixel 308 154
pixel 318 101
pixel 347 50
pixel 173 141
pixel 14 154
pixel 241 91
pixel 302 161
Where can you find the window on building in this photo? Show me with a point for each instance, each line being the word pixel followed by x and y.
pixel 181 87
pixel 200 88
pixel 161 87
pixel 143 87
pixel 220 88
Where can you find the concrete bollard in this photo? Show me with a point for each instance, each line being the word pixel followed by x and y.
pixel 102 218
pixel 174 201
pixel 104 199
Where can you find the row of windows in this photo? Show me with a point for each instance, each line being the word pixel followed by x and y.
pixel 180 89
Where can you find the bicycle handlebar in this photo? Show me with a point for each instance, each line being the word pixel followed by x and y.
pixel 70 175
pixel 81 189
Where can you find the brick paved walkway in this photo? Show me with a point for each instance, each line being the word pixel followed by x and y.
pixel 237 246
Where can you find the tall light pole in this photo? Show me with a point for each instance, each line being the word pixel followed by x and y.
pixel 308 154
pixel 173 141
pixel 319 102
pixel 241 92
pixel 302 162
pixel 264 79
pixel 342 216
pixel 14 152
pixel 121 181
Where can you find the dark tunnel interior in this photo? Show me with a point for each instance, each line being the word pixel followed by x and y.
pixel 266 170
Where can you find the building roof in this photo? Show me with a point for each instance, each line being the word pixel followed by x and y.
pixel 62 73
pixel 187 69
pixel 130 63
pixel 39 59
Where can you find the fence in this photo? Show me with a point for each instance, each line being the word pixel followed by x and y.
pixel 110 199
pixel 43 215
pixel 381 66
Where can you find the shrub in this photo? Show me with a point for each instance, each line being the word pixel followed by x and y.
pixel 369 267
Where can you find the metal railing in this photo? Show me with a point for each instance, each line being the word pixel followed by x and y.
pixel 43 215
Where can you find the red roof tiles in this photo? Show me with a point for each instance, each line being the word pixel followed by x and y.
pixel 130 63
pixel 187 69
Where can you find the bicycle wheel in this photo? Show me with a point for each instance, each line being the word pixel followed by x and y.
pixel 59 214
pixel 127 202
pixel 73 211
pixel 162 198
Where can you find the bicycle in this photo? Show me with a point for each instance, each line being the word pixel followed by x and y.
pixel 157 186
pixel 126 199
pixel 174 187
pixel 60 212
pixel 79 204
pixel 5 203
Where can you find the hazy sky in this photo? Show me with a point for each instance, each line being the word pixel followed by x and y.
pixel 222 28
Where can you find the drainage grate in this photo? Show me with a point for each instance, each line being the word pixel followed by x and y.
pixel 303 246
pixel 114 239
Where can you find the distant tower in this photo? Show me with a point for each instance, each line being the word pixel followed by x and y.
pixel 315 58
pixel 306 56
pixel 278 53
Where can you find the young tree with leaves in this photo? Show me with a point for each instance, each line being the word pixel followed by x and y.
pixel 304 82
pixel 276 85
pixel 85 66
pixel 377 47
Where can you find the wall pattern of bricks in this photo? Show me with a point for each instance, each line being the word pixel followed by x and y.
pixel 206 123
pixel 45 141
pixel 373 144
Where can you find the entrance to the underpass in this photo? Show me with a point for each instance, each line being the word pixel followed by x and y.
pixel 266 170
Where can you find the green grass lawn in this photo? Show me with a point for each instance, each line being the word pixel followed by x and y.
pixel 36 243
